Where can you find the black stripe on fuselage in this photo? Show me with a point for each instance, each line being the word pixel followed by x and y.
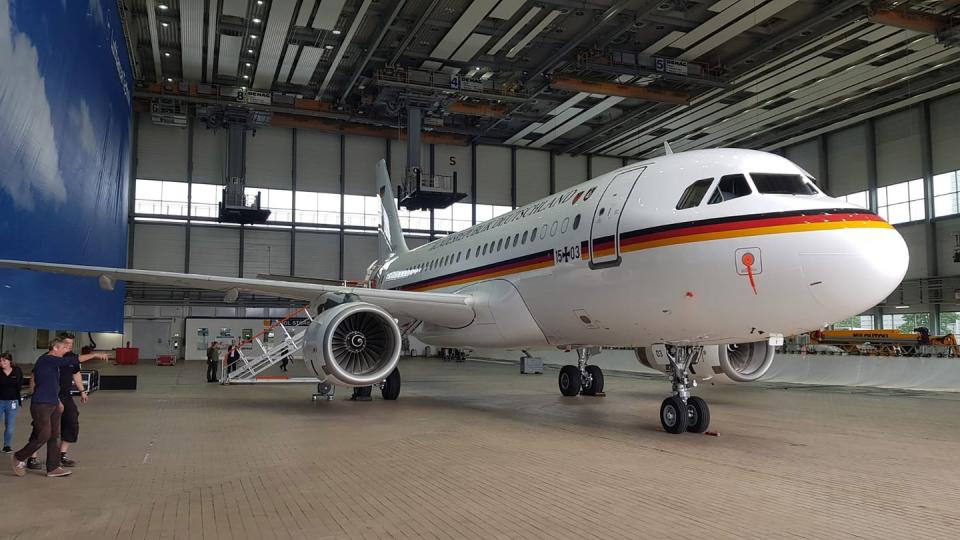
pixel 479 269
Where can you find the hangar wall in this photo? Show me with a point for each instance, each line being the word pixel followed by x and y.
pixel 903 165
pixel 320 188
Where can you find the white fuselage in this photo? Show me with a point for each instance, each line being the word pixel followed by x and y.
pixel 613 262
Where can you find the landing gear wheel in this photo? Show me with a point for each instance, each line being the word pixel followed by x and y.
pixel 673 415
pixel 698 415
pixel 594 384
pixel 390 389
pixel 569 380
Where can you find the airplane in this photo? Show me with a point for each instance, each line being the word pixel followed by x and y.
pixel 700 261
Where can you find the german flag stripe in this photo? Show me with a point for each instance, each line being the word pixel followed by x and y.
pixel 542 259
pixel 735 227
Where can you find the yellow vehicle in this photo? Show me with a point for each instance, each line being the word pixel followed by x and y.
pixel 888 342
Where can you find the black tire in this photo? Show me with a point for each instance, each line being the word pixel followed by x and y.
pixel 391 386
pixel 698 415
pixel 673 415
pixel 595 384
pixel 569 380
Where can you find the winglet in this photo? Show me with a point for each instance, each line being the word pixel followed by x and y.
pixel 391 231
pixel 666 148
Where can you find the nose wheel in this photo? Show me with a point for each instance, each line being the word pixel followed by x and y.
pixel 682 412
pixel 581 378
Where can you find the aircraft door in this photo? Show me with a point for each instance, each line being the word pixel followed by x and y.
pixel 605 228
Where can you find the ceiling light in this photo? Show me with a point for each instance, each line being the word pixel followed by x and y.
pixel 253 36
pixel 246 76
pixel 337 32
pixel 259 2
pixel 248 64
pixel 166 54
pixel 169 79
pixel 163 6
pixel 164 24
pixel 328 47
pixel 903 307
pixel 250 51
pixel 256 21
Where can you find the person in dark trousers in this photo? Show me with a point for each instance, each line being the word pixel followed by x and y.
pixel 45 406
pixel 212 357
pixel 284 362
pixel 70 417
pixel 233 358
pixel 11 386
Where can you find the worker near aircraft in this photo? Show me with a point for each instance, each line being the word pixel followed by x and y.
pixel 46 408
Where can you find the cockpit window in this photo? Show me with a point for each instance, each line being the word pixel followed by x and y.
pixel 694 193
pixel 730 187
pixel 782 184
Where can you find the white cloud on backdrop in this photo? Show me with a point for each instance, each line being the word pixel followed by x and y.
pixel 82 125
pixel 32 173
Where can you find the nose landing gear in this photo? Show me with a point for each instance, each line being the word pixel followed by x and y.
pixel 581 378
pixel 681 411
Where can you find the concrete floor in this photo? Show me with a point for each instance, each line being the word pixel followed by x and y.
pixel 476 450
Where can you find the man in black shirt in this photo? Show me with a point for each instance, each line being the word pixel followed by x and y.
pixel 213 357
pixel 45 406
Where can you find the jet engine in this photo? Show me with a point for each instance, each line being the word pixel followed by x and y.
pixel 740 362
pixel 353 344
pixel 746 362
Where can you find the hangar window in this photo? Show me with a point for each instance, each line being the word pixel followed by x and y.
pixel 902 202
pixel 782 184
pixel 692 196
pixel 576 222
pixel 490 211
pixel 452 219
pixel 523 239
pixel 157 197
pixel 731 186
pixel 361 211
pixel 205 200
pixel 857 322
pixel 278 201
pixel 859 198
pixel 320 208
pixel 949 323
pixel 905 322
pixel 945 194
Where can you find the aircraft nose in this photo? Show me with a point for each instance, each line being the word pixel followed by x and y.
pixel 855 270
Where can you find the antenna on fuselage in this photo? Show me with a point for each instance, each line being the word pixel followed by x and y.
pixel 666 148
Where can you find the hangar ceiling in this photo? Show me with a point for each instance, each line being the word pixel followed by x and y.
pixel 605 77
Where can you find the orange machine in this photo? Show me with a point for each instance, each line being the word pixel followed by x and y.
pixel 888 342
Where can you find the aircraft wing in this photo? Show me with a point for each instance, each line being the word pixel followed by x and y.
pixel 443 309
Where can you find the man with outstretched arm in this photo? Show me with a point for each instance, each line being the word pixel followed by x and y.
pixel 46 408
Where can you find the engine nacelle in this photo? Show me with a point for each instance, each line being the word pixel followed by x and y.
pixel 741 362
pixel 353 344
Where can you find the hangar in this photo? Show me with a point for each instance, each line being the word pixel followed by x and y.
pixel 546 215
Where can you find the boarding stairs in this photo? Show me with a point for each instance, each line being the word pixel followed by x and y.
pixel 263 356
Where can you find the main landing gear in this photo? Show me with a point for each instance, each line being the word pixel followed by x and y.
pixel 681 411
pixel 581 378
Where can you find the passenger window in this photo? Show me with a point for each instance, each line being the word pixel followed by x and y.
pixel 782 184
pixel 553 228
pixel 477 254
pixel 533 234
pixel 731 186
pixel 467 258
pixel 459 254
pixel 484 249
pixel 694 194
pixel 516 240
pixel 576 222
pixel 499 244
pixel 523 239
pixel 564 225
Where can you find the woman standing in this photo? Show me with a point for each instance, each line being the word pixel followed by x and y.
pixel 233 358
pixel 11 383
